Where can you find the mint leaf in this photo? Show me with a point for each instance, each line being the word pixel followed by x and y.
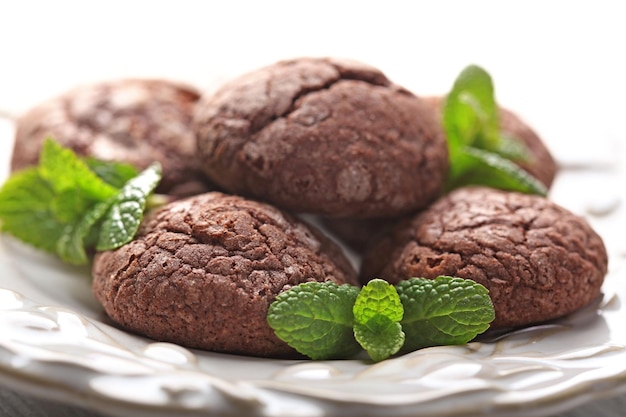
pixel 380 337
pixel 480 154
pixel 513 149
pixel 111 172
pixel 316 319
pixel 470 114
pixel 69 204
pixel 477 166
pixel 71 245
pixel 64 208
pixel 378 297
pixel 26 212
pixel 64 170
pixel 443 311
pixel 121 221
pixel 377 311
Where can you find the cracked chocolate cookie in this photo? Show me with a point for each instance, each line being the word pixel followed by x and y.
pixel 132 120
pixel 541 164
pixel 323 136
pixel 203 271
pixel 538 260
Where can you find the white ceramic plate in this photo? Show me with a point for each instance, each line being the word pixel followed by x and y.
pixel 56 342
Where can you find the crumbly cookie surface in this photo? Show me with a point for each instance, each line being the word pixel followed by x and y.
pixel 203 270
pixel 538 260
pixel 323 136
pixel 137 121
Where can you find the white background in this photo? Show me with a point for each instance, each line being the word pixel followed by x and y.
pixel 558 64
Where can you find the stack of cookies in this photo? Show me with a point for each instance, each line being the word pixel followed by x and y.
pixel 328 137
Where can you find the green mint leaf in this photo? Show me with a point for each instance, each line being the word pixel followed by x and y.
pixel 443 311
pixel 479 153
pixel 377 297
pixel 380 337
pixel 316 319
pixel 113 173
pixel 71 245
pixel 377 311
pixel 474 166
pixel 514 149
pixel 26 212
pixel 122 219
pixel 470 113
pixel 64 208
pixel 64 170
pixel 69 204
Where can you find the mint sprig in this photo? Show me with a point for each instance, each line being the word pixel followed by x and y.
pixel 328 321
pixel 65 207
pixel 479 152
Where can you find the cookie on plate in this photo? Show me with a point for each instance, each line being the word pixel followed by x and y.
pixel 538 260
pixel 202 272
pixel 137 121
pixel 324 136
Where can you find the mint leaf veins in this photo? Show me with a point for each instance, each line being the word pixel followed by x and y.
pixel 479 152
pixel 112 172
pixel 377 313
pixel 122 219
pixel 443 311
pixel 323 320
pixel 65 207
pixel 316 319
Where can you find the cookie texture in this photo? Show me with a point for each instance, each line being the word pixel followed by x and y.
pixel 203 271
pixel 137 121
pixel 323 136
pixel 538 260
pixel 541 164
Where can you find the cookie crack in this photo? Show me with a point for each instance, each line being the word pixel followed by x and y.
pixel 343 75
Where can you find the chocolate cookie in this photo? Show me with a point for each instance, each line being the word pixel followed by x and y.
pixel 538 260
pixel 323 136
pixel 203 271
pixel 541 164
pixel 134 121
